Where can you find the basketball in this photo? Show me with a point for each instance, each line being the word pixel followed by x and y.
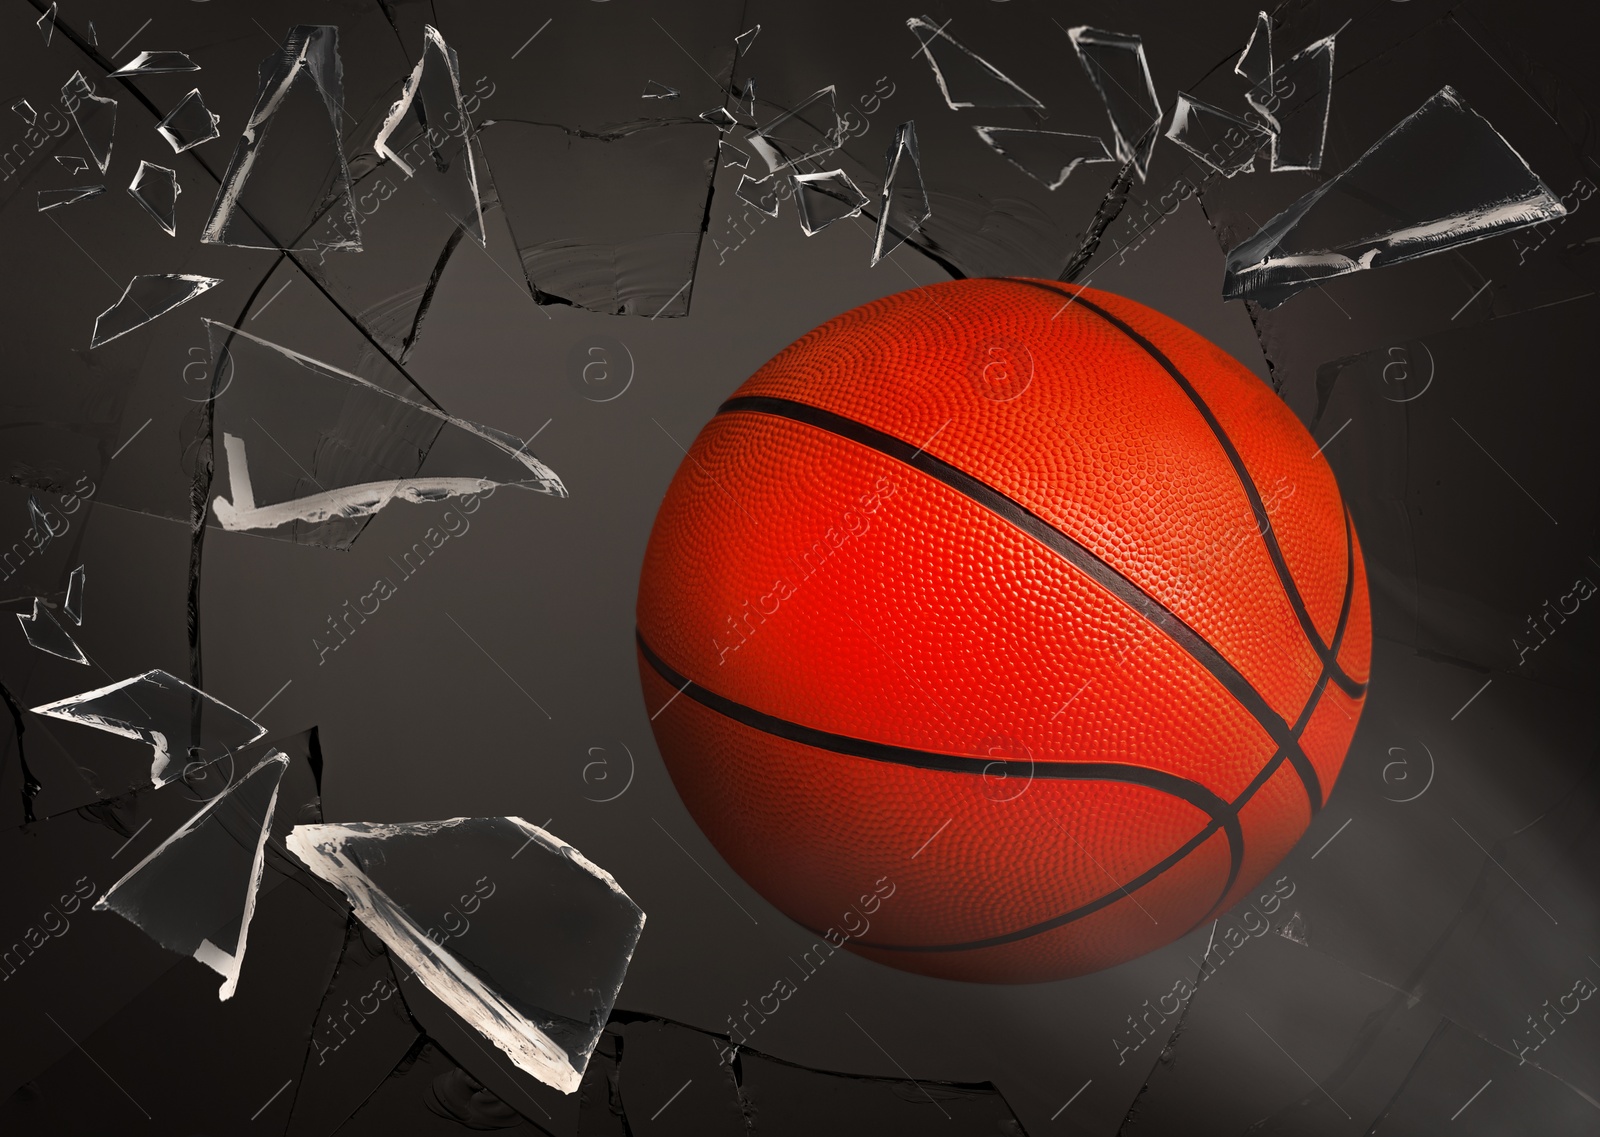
pixel 1003 630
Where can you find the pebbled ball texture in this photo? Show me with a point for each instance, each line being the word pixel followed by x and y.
pixel 1003 630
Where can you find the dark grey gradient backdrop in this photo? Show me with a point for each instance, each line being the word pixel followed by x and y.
pixel 495 678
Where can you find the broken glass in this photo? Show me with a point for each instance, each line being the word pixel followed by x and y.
pixel 1442 178
pixel 156 188
pixel 747 37
pixel 1047 156
pixel 73 163
pixel 673 1079
pixel 24 110
pixel 825 197
pixel 745 99
pixel 47 635
pixel 759 192
pixel 1302 120
pixel 189 124
pixel 287 185
pixel 428 1095
pixel 965 78
pixel 47 23
pixel 1117 67
pixel 428 135
pixel 196 892
pixel 145 298
pixel 903 201
pixel 95 116
pixel 518 933
pixel 156 63
pixel 1255 61
pixel 807 133
pixel 720 117
pixel 55 198
pixel 174 719
pixel 73 605
pixel 1225 142
pixel 655 90
pixel 307 443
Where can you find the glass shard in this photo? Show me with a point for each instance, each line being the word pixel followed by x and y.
pixel 95 116
pixel 145 298
pixel 965 78
pixel 173 718
pixel 428 135
pixel 903 203
pixel 156 188
pixel 807 133
pixel 521 935
pixel 745 100
pixel 1117 67
pixel 47 23
pixel 747 37
pixel 325 445
pixel 759 192
pixel 1302 119
pixel 655 90
pixel 1225 142
pixel 25 111
pixel 94 36
pixel 1255 61
pixel 825 197
pixel 288 185
pixel 1048 156
pixel 47 635
pixel 196 892
pixel 720 117
pixel 156 63
pixel 73 606
pixel 55 198
pixel 189 124
pixel 73 163
pixel 1443 177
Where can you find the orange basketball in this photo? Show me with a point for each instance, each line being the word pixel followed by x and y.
pixel 1003 630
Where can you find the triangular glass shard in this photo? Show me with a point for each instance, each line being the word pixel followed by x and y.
pixel 47 635
pixel 47 23
pixel 1303 116
pixel 428 134
pixel 747 37
pixel 965 78
pixel 744 101
pixel 25 111
pixel 41 521
pixel 145 298
pixel 655 90
pixel 189 124
pixel 173 718
pixel 825 197
pixel 307 442
pixel 807 133
pixel 55 198
pixel 157 189
pixel 518 933
pixel 1443 177
pixel 94 36
pixel 1255 61
pixel 196 892
pixel 95 116
pixel 1049 156
pixel 73 606
pixel 1117 67
pixel 903 203
pixel 758 192
pixel 73 163
pixel 720 117
pixel 156 63
pixel 1225 142
pixel 288 185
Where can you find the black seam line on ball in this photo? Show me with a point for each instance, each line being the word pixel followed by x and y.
pixel 1263 521
pixel 1224 815
pixel 1218 809
pixel 1062 545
